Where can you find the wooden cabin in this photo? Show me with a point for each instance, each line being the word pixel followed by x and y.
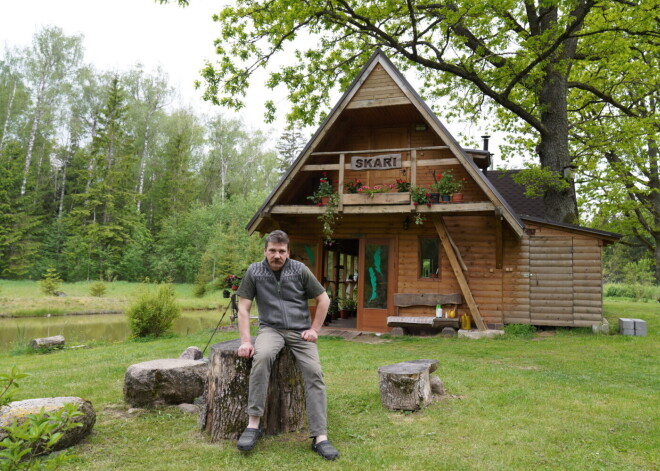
pixel 498 260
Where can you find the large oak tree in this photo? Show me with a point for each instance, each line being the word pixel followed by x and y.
pixel 515 59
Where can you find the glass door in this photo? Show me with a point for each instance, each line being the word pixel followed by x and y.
pixel 376 283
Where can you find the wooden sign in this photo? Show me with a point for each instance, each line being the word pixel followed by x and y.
pixel 380 162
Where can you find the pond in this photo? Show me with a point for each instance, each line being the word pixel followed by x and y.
pixel 106 327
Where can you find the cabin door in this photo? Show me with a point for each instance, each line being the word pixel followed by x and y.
pixel 551 280
pixel 376 283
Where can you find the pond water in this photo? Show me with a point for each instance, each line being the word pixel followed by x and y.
pixel 106 327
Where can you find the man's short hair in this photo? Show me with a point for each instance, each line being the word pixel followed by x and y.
pixel 277 237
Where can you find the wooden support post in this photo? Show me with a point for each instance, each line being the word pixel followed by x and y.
pixel 340 190
pixel 413 173
pixel 499 239
pixel 441 228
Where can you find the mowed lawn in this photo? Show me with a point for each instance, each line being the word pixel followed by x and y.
pixel 565 399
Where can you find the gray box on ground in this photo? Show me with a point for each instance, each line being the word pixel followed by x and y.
pixel 635 327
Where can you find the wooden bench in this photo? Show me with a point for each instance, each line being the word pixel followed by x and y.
pixel 423 323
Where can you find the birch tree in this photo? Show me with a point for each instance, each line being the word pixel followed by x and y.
pixel 50 63
pixel 149 93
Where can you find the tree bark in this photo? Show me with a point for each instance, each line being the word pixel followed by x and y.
pixel 406 385
pixel 5 127
pixel 224 414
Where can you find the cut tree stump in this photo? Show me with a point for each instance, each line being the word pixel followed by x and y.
pixel 224 413
pixel 406 385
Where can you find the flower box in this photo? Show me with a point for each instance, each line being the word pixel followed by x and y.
pixel 376 198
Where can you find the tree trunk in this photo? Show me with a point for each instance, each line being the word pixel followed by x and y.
pixel 224 414
pixel 560 205
pixel 5 128
pixel 143 164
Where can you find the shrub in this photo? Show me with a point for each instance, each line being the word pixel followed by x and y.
pixel 50 282
pixel 153 312
pixel 519 330
pixel 633 291
pixel 27 445
pixel 98 289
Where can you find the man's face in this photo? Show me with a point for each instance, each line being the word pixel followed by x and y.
pixel 276 254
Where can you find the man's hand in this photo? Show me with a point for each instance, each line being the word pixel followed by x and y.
pixel 310 335
pixel 246 350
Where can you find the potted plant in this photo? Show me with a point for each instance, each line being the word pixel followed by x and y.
pixel 372 190
pixel 322 194
pixel 350 306
pixel 402 186
pixel 353 186
pixel 419 195
pixel 333 309
pixel 445 184
pixel 457 195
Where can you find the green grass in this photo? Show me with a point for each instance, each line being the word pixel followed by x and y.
pixel 24 298
pixel 565 400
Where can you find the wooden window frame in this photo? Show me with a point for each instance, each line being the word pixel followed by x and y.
pixel 419 258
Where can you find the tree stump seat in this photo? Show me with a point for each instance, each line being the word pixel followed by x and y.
pixel 406 385
pixel 224 413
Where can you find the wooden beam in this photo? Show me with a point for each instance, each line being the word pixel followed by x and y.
pixel 441 228
pixel 340 184
pixel 499 239
pixel 445 209
pixel 405 164
pixel 356 104
pixel 371 151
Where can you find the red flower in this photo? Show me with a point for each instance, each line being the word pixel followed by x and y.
pixel 428 204
pixel 336 181
pixel 415 203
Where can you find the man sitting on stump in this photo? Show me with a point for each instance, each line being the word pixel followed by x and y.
pixel 282 288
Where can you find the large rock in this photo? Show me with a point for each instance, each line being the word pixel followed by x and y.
pixel 19 410
pixel 160 382
pixel 192 353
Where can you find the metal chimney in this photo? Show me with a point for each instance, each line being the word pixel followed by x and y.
pixel 485 138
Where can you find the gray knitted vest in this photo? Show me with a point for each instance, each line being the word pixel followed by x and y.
pixel 283 304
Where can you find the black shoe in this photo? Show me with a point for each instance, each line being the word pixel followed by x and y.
pixel 248 439
pixel 325 449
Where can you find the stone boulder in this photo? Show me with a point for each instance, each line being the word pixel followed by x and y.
pixel 18 410
pixel 161 382
pixel 192 353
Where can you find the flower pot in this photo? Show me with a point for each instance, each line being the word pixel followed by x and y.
pixel 457 197
pixel 325 200
pixel 343 314
pixel 435 198
pixel 445 198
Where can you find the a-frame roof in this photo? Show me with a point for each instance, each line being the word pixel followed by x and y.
pixel 408 96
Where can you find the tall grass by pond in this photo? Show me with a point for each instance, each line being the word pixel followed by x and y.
pixel 564 399
pixel 24 298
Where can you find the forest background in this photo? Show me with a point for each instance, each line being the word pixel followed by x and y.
pixel 102 177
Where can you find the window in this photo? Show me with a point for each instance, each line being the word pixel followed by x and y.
pixel 429 257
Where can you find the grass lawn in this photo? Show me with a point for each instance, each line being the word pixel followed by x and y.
pixel 24 298
pixel 566 399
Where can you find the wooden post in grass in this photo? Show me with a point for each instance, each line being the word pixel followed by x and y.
pixel 224 414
